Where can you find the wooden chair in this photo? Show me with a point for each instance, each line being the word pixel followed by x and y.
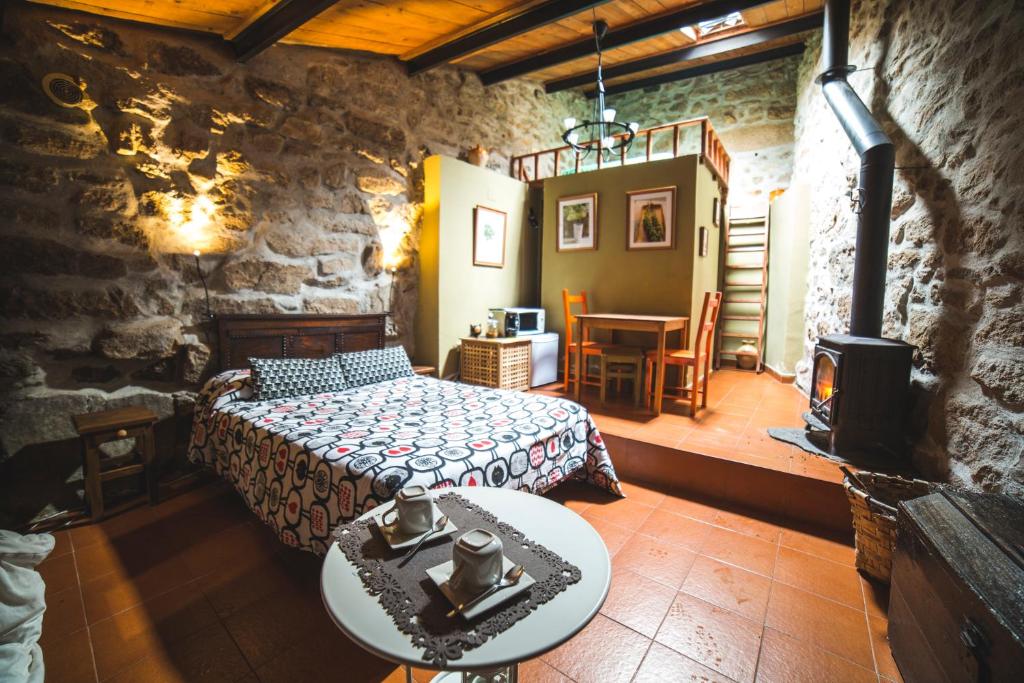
pixel 622 363
pixel 590 348
pixel 684 359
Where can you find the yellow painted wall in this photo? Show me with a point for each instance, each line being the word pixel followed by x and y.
pixel 454 292
pixel 658 282
pixel 787 279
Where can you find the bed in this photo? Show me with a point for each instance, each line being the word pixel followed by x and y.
pixel 305 464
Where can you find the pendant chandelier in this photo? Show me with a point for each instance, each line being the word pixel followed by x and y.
pixel 603 132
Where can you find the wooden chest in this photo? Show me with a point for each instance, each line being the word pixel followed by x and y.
pixel 956 611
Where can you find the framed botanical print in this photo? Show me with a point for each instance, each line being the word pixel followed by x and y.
pixel 652 218
pixel 702 248
pixel 714 212
pixel 577 223
pixel 489 227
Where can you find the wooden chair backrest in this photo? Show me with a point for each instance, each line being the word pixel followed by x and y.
pixel 570 320
pixel 708 319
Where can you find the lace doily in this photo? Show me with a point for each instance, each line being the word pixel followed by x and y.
pixel 416 604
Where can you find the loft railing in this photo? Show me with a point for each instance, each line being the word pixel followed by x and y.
pixel 549 163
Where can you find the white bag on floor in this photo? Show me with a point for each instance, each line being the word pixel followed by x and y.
pixel 22 603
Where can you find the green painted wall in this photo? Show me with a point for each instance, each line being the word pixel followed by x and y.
pixel 787 279
pixel 705 268
pixel 454 292
pixel 621 281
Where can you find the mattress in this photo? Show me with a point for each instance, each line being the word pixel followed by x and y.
pixel 304 465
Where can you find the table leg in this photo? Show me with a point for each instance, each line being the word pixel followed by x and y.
pixel 408 674
pixel 579 360
pixel 659 380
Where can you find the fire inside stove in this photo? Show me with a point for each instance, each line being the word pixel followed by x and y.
pixel 824 388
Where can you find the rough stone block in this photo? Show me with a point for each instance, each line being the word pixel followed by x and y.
pixel 148 338
pixel 1000 372
pixel 265 276
pixel 380 184
pixel 48 257
pixel 180 60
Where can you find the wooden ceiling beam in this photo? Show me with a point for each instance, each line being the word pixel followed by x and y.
pixel 699 51
pixel 521 22
pixel 637 31
pixel 703 69
pixel 278 21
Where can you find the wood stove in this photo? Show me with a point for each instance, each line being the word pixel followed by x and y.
pixel 860 382
pixel 859 393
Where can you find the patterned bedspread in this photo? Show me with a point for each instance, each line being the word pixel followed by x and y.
pixel 306 464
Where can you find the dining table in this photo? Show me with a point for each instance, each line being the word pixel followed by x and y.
pixel 660 325
pixel 362 616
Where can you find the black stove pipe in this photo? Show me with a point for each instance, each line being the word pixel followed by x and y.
pixel 877 162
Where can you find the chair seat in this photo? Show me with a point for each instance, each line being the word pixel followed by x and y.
pixel 591 347
pixel 623 354
pixel 672 355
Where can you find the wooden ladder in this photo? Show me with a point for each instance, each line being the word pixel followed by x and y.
pixel 744 287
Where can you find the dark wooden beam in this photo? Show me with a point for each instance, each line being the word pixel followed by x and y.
pixel 641 30
pixel 703 69
pixel 275 24
pixel 510 27
pixel 698 51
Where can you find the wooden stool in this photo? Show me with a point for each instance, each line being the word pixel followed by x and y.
pixel 619 363
pixel 96 429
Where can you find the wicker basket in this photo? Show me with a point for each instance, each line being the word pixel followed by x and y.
pixel 873 500
pixel 497 363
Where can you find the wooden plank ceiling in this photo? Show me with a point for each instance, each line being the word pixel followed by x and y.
pixel 492 37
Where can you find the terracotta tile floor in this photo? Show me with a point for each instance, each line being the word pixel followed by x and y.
pixel 196 589
pixel 741 407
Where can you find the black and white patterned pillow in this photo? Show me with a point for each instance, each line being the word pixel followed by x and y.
pixel 285 377
pixel 376 365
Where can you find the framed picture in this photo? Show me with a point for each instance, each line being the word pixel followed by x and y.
pixel 652 219
pixel 714 212
pixel 702 248
pixel 577 223
pixel 489 237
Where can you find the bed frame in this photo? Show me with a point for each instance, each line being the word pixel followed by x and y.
pixel 242 337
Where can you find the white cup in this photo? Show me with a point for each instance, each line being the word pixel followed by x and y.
pixel 413 510
pixel 476 561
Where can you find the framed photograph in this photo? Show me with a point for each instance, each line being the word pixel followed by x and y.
pixel 577 223
pixel 489 237
pixel 714 212
pixel 702 248
pixel 652 219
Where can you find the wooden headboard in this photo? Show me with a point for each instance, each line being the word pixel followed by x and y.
pixel 242 337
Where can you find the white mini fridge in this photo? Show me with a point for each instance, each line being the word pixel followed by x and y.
pixel 543 359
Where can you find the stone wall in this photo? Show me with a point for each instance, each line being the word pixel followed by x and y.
pixel 297 175
pixel 752 110
pixel 943 77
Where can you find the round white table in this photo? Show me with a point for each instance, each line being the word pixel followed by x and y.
pixel 360 616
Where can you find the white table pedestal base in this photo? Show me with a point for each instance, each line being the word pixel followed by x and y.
pixel 507 674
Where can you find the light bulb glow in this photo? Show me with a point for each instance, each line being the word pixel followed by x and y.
pixel 609 115
pixel 574 138
pixel 569 122
pixel 190 220
pixel 608 142
pixel 634 126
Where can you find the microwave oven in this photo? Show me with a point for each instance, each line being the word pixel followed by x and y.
pixel 518 321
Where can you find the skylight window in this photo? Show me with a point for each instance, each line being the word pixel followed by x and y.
pixel 705 28
pixel 731 20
